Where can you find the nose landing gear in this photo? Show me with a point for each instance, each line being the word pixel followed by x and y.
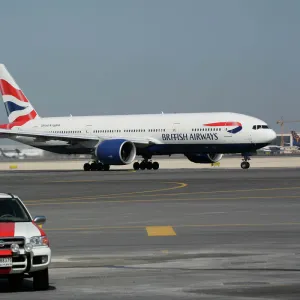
pixel 245 164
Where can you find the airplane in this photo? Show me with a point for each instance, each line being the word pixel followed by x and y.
pixel 296 139
pixel 15 153
pixel 119 139
pixel 21 154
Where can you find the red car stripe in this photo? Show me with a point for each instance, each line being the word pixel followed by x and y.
pixel 7 229
pixel 42 232
pixel 7 89
pixel 5 253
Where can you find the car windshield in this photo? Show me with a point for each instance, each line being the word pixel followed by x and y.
pixel 11 210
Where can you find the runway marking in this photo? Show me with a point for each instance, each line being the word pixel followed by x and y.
pixel 159 200
pixel 144 193
pixel 179 185
pixel 84 180
pixel 160 231
pixel 226 191
pixel 95 228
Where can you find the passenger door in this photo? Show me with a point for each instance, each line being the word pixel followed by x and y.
pixel 176 127
pixel 89 129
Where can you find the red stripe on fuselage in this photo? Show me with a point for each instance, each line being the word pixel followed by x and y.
pixel 7 229
pixel 7 89
pixel 221 124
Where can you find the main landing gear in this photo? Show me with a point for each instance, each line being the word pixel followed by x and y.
pixel 245 164
pixel 95 166
pixel 145 164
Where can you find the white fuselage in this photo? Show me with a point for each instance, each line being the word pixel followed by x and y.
pixel 174 133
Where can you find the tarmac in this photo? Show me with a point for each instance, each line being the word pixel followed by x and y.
pixel 227 162
pixel 213 233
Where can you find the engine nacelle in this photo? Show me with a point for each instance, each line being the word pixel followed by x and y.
pixel 116 152
pixel 204 158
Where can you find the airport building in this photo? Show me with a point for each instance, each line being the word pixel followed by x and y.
pixel 287 138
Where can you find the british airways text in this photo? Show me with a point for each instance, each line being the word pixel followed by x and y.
pixel 189 136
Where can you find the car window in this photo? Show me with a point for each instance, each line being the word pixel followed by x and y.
pixel 11 210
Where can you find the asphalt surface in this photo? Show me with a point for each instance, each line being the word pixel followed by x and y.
pixel 223 234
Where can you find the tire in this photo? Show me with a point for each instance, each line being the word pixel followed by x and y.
pixel 149 165
pixel 86 167
pixel 94 167
pixel 100 167
pixel 41 280
pixel 15 282
pixel 106 167
pixel 155 165
pixel 245 165
pixel 136 166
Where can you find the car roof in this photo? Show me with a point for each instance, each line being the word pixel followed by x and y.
pixel 7 195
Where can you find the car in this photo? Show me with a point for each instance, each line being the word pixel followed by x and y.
pixel 24 246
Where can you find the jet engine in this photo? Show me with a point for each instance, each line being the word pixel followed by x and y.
pixel 204 158
pixel 116 152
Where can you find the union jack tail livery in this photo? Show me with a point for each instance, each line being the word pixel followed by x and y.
pixel 18 108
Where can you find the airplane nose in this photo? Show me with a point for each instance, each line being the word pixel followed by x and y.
pixel 272 135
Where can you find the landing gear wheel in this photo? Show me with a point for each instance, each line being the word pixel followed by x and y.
pixel 41 280
pixel 245 165
pixel 94 166
pixel 155 165
pixel 142 166
pixel 136 166
pixel 106 167
pixel 149 165
pixel 99 167
pixel 86 167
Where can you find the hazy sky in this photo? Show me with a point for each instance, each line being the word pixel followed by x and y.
pixel 122 57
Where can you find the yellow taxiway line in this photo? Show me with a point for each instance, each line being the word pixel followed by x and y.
pixel 160 231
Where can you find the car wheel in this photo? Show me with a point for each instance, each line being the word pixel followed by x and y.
pixel 41 280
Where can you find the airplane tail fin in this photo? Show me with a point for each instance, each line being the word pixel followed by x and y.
pixel 18 108
pixel 296 138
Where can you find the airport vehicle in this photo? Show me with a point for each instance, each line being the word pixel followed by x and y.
pixel 119 139
pixel 272 149
pixel 24 246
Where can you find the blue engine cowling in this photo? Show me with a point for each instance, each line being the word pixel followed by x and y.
pixel 204 158
pixel 116 152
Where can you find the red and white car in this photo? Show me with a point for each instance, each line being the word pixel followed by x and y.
pixel 24 246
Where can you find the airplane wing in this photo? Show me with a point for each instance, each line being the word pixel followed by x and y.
pixel 42 136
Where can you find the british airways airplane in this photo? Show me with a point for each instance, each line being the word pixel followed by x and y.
pixel 119 139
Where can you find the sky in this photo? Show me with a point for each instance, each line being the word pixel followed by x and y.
pixel 126 57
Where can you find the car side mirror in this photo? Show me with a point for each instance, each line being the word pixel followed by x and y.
pixel 39 220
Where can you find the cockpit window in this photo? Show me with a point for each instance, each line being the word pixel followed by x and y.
pixel 256 127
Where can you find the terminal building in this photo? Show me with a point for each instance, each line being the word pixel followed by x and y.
pixel 287 139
